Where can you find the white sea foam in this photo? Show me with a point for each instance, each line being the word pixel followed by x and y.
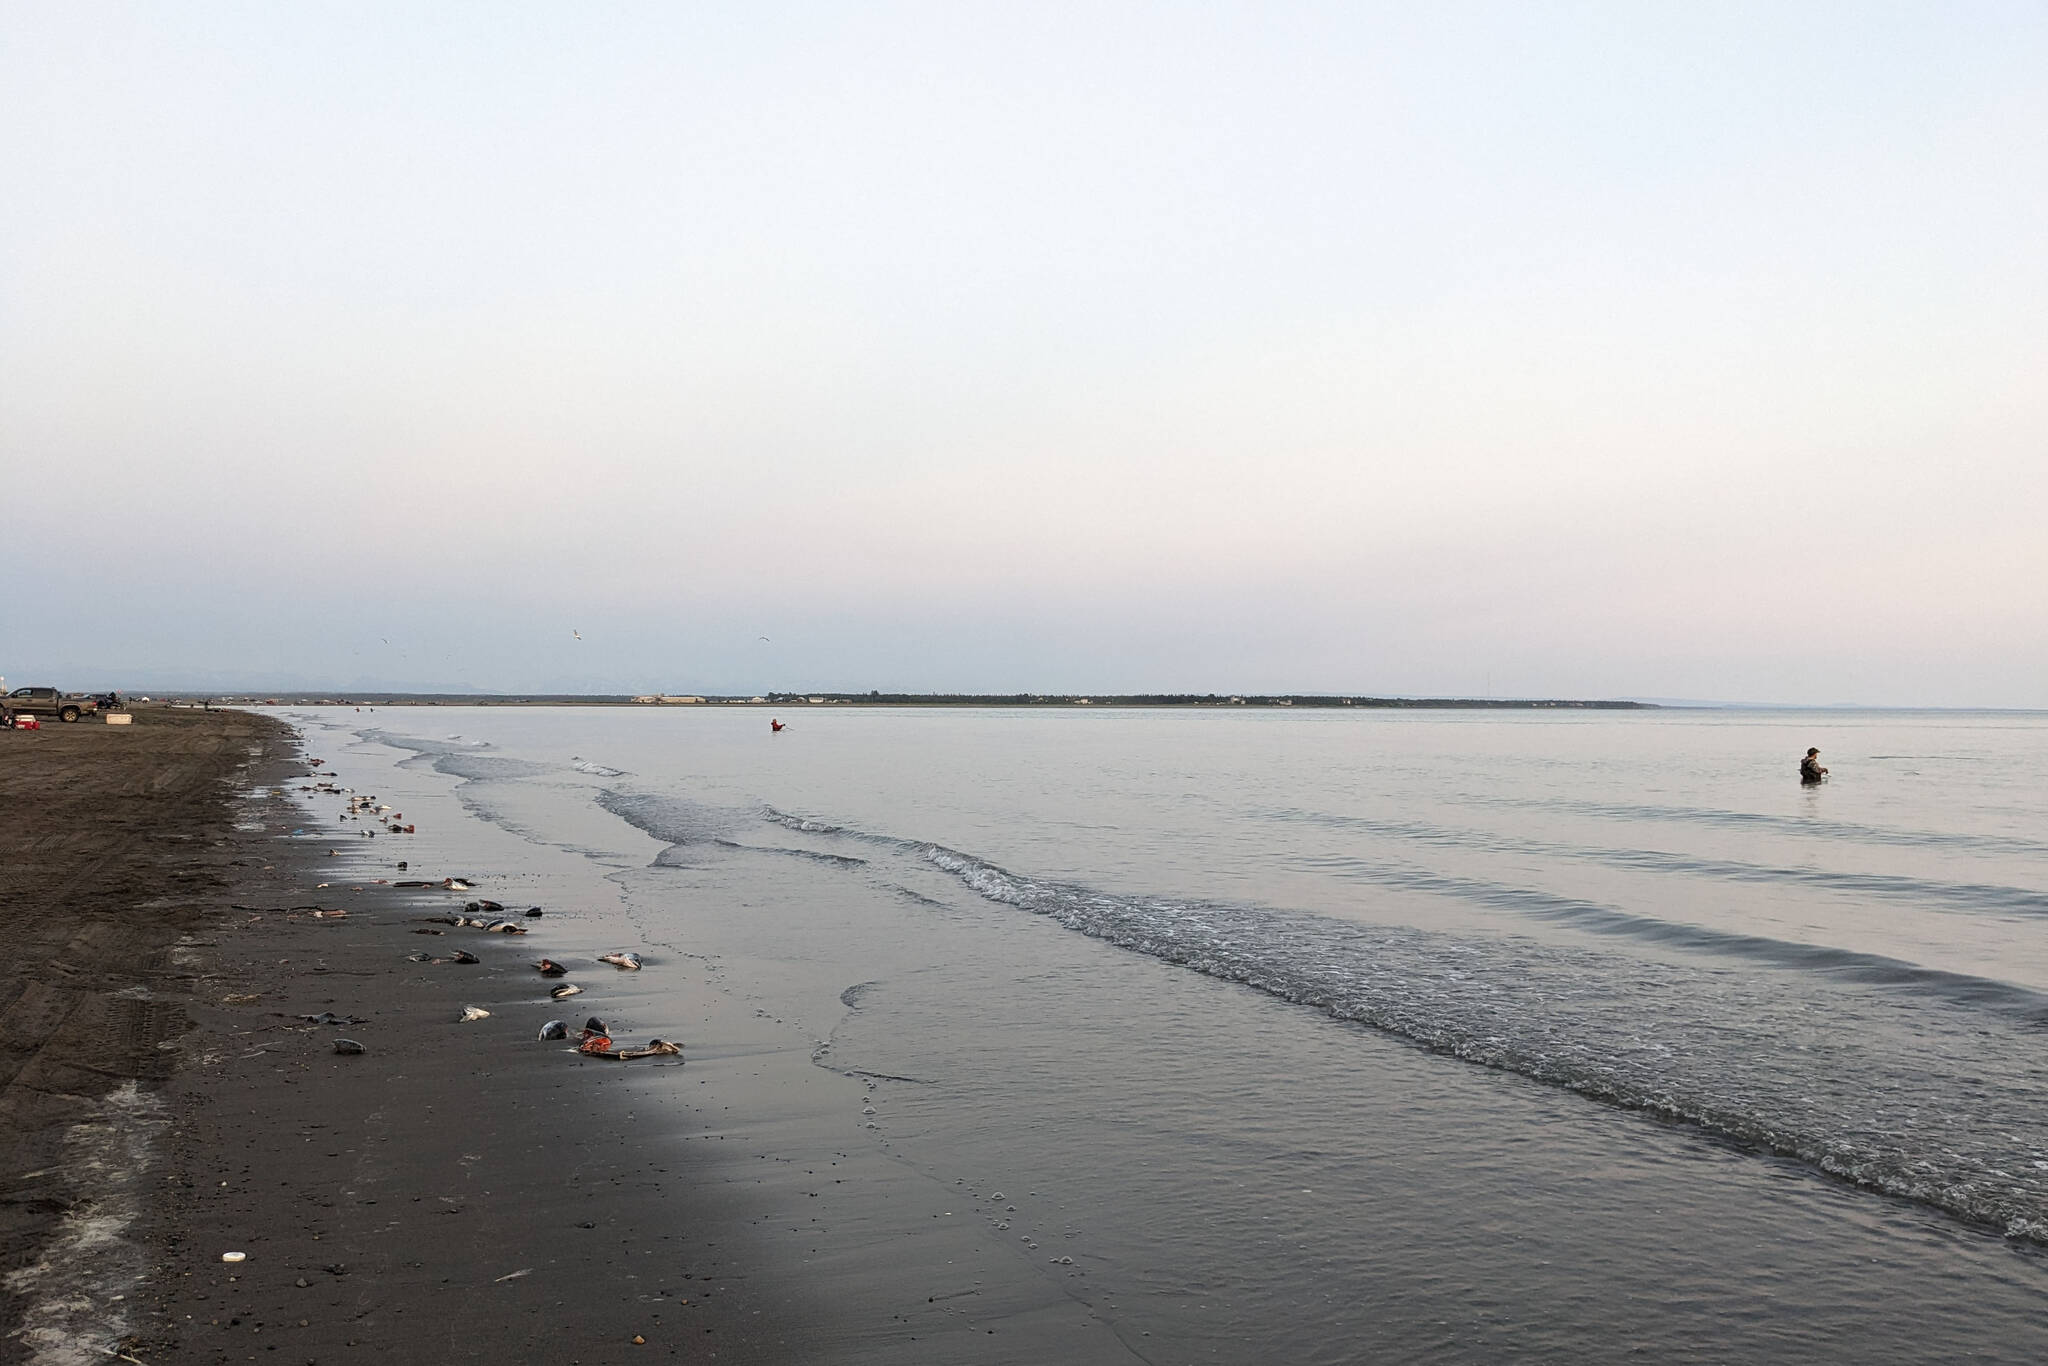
pixel 1704 1042
pixel 75 1298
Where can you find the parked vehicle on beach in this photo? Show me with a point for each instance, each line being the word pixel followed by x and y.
pixel 48 702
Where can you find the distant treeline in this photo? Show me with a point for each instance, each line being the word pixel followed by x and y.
pixel 1174 699
pixel 917 699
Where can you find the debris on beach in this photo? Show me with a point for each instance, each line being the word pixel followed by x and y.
pixel 548 967
pixel 456 884
pixel 289 910
pixel 505 927
pixel 234 1256
pixel 471 1014
pixel 349 1047
pixel 600 1047
pixel 484 907
pixel 656 1048
pixel 566 989
pixel 554 1029
pixel 459 956
pixel 624 962
pixel 328 1017
pixel 533 912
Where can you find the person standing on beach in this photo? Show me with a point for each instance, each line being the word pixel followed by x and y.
pixel 1810 771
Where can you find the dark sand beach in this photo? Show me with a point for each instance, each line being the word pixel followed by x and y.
pixel 431 1200
pixel 456 1192
pixel 914 1121
pixel 114 851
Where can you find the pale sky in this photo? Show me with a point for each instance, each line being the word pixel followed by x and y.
pixel 1609 350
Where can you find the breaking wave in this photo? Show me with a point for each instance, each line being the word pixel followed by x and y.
pixel 1757 820
pixel 1924 893
pixel 1921 1084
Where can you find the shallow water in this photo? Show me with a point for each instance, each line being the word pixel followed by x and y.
pixel 1448 1035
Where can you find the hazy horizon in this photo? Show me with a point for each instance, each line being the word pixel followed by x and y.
pixel 201 685
pixel 1600 350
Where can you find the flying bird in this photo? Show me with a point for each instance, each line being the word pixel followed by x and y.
pixel 576 633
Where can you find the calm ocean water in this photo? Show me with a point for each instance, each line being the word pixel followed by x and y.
pixel 1443 1036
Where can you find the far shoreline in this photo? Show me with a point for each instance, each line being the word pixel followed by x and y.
pixel 1158 701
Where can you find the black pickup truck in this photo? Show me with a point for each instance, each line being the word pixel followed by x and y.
pixel 48 702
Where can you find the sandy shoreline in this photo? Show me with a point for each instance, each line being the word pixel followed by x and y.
pixel 357 1186
pixel 114 847
pixel 909 1129
pixel 458 1192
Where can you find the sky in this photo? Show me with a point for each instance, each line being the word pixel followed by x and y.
pixel 1574 349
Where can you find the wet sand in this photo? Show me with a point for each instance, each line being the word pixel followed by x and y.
pixel 113 848
pixel 458 1192
pixel 818 1182
pixel 162 1105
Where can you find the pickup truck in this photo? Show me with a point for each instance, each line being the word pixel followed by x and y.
pixel 48 702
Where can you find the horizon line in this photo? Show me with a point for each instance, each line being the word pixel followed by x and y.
pixel 876 697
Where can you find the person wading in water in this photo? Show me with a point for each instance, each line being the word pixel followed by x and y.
pixel 1810 771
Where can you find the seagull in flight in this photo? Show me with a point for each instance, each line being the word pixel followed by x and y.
pixel 765 638
pixel 576 633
